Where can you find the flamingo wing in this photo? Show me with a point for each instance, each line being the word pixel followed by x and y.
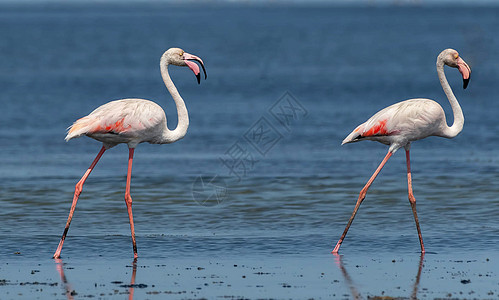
pixel 378 125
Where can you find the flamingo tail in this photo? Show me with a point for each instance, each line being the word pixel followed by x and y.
pixel 79 128
pixel 354 136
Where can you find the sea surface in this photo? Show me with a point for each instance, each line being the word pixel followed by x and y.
pixel 250 203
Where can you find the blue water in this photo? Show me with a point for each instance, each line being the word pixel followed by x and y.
pixel 290 195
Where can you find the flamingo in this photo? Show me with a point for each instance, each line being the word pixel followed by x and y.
pixel 133 121
pixel 411 120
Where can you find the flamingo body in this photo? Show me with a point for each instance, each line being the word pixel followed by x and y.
pixel 402 123
pixel 130 121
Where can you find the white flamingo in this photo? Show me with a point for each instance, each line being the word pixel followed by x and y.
pixel 133 121
pixel 401 123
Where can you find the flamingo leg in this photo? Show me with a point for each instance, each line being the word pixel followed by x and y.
pixel 362 195
pixel 128 199
pixel 412 199
pixel 78 189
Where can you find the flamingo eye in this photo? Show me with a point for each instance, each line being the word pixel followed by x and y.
pixel 456 56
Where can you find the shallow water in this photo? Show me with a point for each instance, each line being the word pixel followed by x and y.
pixel 284 205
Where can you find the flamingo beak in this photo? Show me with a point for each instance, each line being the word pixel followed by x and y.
pixel 465 70
pixel 194 67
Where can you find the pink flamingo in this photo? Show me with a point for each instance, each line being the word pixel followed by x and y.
pixel 133 121
pixel 401 123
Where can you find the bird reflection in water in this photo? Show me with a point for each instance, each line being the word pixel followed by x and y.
pixel 132 281
pixel 59 265
pixel 355 293
pixel 70 292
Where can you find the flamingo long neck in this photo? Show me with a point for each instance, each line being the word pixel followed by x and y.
pixel 457 125
pixel 170 136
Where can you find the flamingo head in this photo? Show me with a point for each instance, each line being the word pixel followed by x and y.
pixel 178 57
pixel 451 58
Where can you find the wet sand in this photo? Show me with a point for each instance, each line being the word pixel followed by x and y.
pixel 347 276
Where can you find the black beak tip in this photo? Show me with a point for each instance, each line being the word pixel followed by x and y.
pixel 198 78
pixel 204 71
pixel 465 83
